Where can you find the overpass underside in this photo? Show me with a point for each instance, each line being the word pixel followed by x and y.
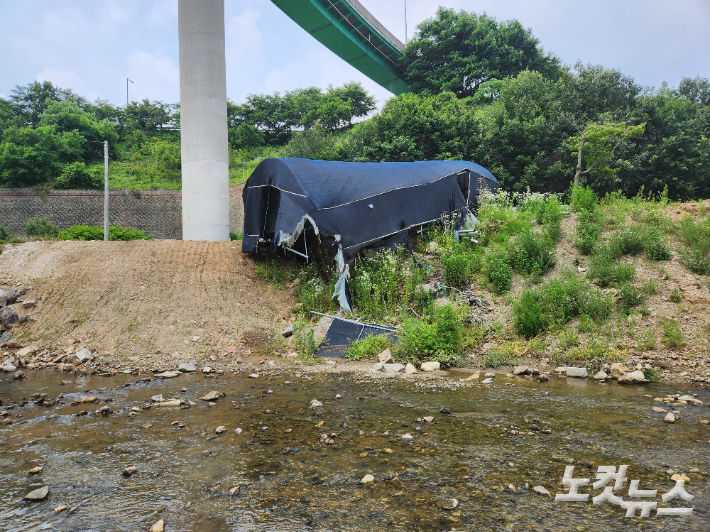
pixel 347 29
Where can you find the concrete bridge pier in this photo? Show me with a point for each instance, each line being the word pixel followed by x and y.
pixel 203 120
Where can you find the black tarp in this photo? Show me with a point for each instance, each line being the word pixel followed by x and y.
pixel 342 333
pixel 354 205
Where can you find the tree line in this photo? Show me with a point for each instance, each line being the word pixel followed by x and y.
pixel 483 91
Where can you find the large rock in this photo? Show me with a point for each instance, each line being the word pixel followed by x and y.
pixel 212 396
pixel 617 370
pixel 167 374
pixel 5 338
pixel 9 317
pixel 430 366
pixel 8 297
pixel 38 495
pixel 26 351
pixel 601 376
pixel 635 377
pixel 378 367
pixel 158 527
pixel 187 368
pixel 385 357
pixel 394 367
pixel 522 370
pixel 8 367
pixel 670 418
pixel 410 369
pixel 580 373
pixel 79 357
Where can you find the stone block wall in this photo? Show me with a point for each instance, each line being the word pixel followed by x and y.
pixel 157 212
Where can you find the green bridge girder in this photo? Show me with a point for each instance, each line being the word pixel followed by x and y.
pixel 347 29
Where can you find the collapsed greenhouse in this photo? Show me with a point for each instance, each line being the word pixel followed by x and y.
pixel 354 206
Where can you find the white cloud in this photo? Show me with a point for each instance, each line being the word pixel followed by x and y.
pixel 243 40
pixel 154 79
pixel 67 79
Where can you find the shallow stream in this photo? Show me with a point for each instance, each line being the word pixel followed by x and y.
pixel 487 454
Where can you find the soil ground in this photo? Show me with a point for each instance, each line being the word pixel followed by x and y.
pixel 145 301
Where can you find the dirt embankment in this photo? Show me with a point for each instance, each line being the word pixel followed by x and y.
pixel 172 300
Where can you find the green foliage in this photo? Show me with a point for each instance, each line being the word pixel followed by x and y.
pixel 630 296
pixel 672 333
pixel 498 357
pixel 630 240
pixel 78 175
pixel 534 253
pixel 303 338
pixel 440 337
pixel 147 163
pixel 596 145
pixel 556 302
pixel 675 296
pixel 96 232
pixel 651 374
pixel 384 285
pixel 40 227
pixel 695 233
pixel 498 269
pixel 315 288
pixel 583 199
pixel 239 235
pixel 647 341
pixel 605 268
pixel 552 218
pixel 589 228
pixel 277 272
pixel 458 51
pixel 656 245
pixel 368 347
pixel 4 234
pixel 457 266
pixel 245 136
pixel 696 261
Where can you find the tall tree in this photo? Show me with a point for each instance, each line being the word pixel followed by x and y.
pixel 457 51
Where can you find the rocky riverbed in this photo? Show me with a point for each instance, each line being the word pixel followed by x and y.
pixel 268 447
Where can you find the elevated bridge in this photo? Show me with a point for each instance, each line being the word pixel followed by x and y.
pixel 347 29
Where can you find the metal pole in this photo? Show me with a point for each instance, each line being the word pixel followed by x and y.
pixel 405 21
pixel 106 191
pixel 127 80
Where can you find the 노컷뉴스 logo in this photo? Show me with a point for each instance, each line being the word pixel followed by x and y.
pixel 605 474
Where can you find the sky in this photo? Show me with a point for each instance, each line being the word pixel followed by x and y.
pixel 92 46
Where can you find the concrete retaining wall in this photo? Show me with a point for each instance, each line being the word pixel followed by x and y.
pixel 157 212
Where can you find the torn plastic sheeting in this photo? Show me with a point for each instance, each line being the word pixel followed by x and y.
pixel 289 239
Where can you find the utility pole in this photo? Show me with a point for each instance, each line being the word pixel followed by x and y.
pixel 106 191
pixel 405 22
pixel 127 80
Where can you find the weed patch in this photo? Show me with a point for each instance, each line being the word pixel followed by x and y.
pixel 368 347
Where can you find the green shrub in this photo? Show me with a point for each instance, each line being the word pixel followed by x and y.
pixel 303 338
pixel 629 296
pixel 368 347
pixel 695 233
pixel 384 284
pixel 652 374
pixel 534 253
pixel 672 333
pixel 696 261
pixel 656 245
pixel 675 296
pixel 239 235
pixel 647 341
pixel 583 199
pixel 496 358
pixel 78 175
pixel 440 338
pixel 556 302
pixel 589 228
pixel 498 269
pixel 457 267
pixel 40 227
pixel 605 268
pixel 313 291
pixel 628 241
pixel 96 232
pixel 552 218
pixel 4 234
pixel 276 272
